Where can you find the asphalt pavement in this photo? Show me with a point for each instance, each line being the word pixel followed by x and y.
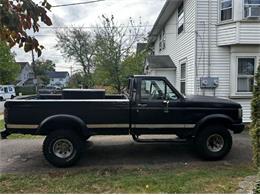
pixel 25 156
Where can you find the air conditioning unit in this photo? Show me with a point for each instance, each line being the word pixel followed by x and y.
pixel 253 12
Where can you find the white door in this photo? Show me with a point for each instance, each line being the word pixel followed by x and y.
pixel 7 95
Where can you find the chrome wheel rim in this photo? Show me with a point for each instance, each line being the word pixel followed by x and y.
pixel 63 148
pixel 215 143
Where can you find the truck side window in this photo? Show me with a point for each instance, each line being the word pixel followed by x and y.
pixel 170 95
pixel 156 90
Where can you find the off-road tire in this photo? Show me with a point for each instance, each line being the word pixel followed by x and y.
pixel 201 142
pixel 73 138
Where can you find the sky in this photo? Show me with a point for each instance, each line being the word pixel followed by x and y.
pixel 88 15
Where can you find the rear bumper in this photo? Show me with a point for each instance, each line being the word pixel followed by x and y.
pixel 237 128
pixel 5 134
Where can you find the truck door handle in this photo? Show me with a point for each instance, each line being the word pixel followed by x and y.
pixel 142 105
pixel 166 109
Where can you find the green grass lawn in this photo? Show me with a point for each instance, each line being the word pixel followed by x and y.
pixel 180 179
pixel 18 136
pixel 1 125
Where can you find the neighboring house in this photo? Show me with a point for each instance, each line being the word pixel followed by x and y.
pixel 60 79
pixel 214 44
pixel 26 75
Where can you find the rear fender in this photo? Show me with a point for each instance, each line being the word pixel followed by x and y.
pixel 67 122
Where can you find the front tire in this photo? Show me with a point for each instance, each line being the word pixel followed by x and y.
pixel 213 142
pixel 63 148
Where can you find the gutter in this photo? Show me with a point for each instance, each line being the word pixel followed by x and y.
pixel 158 18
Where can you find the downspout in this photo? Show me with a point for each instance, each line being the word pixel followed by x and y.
pixel 209 37
pixel 196 51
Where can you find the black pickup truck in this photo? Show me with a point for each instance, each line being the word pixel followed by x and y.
pixel 151 106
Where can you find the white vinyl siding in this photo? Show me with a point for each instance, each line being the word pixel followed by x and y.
pixel 226 34
pixel 210 48
pixel 242 32
pixel 212 61
pixel 180 47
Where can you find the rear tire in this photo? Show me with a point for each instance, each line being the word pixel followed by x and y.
pixel 63 148
pixel 214 142
pixel 1 99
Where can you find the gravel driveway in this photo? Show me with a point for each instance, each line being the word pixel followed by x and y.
pixel 109 151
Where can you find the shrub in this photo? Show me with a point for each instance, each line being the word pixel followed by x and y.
pixel 30 90
pixel 255 125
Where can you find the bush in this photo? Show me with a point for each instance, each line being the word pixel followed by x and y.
pixel 30 90
pixel 255 125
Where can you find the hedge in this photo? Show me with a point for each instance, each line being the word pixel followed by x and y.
pixel 255 125
pixel 30 90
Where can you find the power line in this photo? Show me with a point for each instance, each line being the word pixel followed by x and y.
pixel 81 3
pixel 138 35
pixel 130 26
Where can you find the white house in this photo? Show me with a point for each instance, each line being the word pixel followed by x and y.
pixel 26 74
pixel 60 79
pixel 214 44
pixel 161 65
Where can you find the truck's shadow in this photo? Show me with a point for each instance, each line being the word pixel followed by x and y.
pixel 121 152
pixel 137 154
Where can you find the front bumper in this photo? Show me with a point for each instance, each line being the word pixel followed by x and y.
pixel 237 128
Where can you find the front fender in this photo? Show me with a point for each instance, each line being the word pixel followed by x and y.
pixel 213 119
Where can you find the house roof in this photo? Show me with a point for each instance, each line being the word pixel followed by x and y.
pixel 23 64
pixel 163 17
pixel 160 62
pixel 58 75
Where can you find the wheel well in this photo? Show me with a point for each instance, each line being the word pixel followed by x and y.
pixel 213 121
pixel 61 124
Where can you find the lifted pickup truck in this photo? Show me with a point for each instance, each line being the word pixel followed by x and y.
pixel 152 106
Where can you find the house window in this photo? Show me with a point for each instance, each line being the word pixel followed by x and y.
pixel 226 7
pixel 183 78
pixel 180 19
pixel 245 78
pixel 162 41
pixel 252 8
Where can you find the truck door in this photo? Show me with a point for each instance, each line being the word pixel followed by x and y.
pixel 157 108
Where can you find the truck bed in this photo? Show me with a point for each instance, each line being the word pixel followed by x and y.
pixel 26 115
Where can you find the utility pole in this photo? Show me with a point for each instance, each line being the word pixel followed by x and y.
pixel 34 72
pixel 71 70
